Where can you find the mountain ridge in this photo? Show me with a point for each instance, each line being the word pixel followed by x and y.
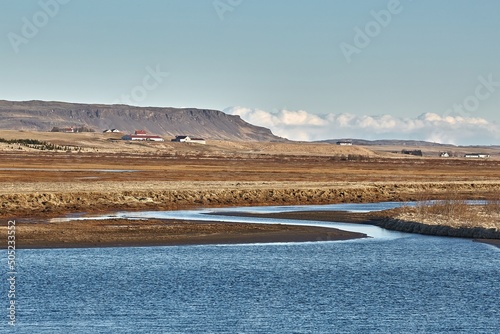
pixel 366 142
pixel 38 115
pixel 399 142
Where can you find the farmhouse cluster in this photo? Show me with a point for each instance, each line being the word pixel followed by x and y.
pixel 141 135
pixel 467 155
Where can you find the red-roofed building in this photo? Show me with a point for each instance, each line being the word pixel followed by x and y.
pixel 142 135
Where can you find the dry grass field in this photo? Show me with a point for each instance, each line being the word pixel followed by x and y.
pixel 105 167
pixel 97 173
pixel 454 213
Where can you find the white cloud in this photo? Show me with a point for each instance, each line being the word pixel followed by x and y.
pixel 283 117
pixel 301 125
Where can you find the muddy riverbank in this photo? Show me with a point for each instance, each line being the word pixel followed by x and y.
pixel 155 232
pixel 387 219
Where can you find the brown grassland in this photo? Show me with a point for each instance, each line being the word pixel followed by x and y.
pixel 101 174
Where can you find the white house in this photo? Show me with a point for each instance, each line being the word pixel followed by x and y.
pixel 187 139
pixel 182 139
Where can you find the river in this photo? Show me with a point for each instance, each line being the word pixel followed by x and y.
pixel 390 283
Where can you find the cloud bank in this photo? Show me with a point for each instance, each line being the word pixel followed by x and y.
pixel 304 126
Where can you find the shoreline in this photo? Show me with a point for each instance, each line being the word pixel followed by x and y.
pixel 383 220
pixel 157 232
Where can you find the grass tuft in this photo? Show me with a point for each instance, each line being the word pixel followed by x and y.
pixel 455 212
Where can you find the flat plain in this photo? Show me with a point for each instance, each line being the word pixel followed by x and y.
pixel 98 173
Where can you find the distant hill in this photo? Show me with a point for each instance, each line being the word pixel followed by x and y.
pixel 205 123
pixel 386 142
pixel 408 143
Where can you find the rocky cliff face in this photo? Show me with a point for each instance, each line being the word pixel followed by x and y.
pixel 209 124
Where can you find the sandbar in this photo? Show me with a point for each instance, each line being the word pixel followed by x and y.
pixel 157 232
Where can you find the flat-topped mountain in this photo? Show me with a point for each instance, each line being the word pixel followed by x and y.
pixel 206 123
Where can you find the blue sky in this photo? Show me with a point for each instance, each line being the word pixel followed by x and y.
pixel 309 70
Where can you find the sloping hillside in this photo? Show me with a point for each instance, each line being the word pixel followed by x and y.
pixel 209 124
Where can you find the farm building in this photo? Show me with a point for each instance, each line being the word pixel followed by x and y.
pixel 187 139
pixel 72 129
pixel 477 155
pixel 417 153
pixel 181 139
pixel 146 137
pixel 344 143
pixel 142 135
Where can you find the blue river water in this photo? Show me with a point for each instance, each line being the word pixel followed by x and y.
pixel 391 283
